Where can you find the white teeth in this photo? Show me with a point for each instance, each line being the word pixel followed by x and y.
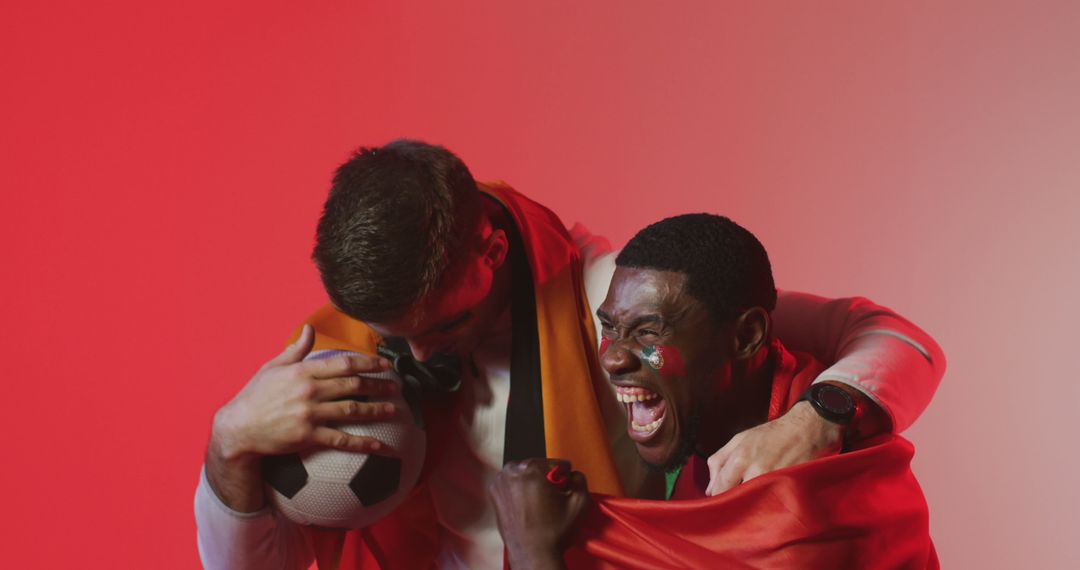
pixel 639 395
pixel 647 427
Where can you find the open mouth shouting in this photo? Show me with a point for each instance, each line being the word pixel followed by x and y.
pixel 645 411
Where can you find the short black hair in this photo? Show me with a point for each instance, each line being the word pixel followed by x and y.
pixel 393 222
pixel 727 268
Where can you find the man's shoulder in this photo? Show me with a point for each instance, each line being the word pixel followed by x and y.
pixel 798 368
pixel 335 330
pixel 801 362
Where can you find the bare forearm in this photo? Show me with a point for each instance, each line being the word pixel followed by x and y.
pixel 234 476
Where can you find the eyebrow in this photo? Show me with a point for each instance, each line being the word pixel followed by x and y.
pixel 649 318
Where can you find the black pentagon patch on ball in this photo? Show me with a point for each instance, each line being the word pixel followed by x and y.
pixel 285 473
pixel 377 479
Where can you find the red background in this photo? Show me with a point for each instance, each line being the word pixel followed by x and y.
pixel 164 165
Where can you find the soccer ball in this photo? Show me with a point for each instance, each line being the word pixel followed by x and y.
pixel 341 489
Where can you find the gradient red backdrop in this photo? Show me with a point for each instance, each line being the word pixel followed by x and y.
pixel 164 165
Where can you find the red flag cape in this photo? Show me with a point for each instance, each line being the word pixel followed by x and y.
pixel 861 509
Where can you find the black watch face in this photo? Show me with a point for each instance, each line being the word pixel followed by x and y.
pixel 835 400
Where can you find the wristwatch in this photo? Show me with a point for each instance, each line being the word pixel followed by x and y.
pixel 832 403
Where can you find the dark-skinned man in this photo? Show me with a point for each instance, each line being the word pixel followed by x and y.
pixel 688 346
pixel 413 252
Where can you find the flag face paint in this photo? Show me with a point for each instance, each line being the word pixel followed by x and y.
pixel 667 360
pixel 652 357
pixel 604 344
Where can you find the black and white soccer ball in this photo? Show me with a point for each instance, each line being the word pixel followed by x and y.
pixel 341 489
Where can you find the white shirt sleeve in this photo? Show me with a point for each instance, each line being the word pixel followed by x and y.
pixel 231 540
pixel 873 349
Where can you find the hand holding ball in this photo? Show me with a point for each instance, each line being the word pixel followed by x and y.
pixel 342 489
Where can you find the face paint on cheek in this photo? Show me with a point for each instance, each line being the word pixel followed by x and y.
pixel 674 365
pixel 604 344
pixel 667 360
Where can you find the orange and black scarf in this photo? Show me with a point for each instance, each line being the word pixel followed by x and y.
pixel 553 359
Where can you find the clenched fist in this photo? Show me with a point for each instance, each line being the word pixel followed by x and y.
pixel 537 503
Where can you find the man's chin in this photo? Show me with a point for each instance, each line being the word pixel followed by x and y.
pixel 674 455
pixel 665 462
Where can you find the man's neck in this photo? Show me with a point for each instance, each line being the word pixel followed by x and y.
pixel 744 405
pixel 496 340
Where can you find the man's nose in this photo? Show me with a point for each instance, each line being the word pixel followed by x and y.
pixel 618 358
pixel 422 350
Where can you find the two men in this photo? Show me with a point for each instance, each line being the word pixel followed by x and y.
pixel 412 250
pixel 688 344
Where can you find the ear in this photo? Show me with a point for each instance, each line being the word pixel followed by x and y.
pixel 496 248
pixel 752 329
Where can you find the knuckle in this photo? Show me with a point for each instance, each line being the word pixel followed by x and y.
pixel 351 408
pixel 740 463
pixel 304 415
pixel 535 463
pixel 340 440
pixel 516 468
pixel 299 434
pixel 343 363
pixel 305 389
pixel 291 371
pixel 307 367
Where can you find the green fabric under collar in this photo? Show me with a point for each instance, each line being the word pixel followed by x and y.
pixel 669 482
